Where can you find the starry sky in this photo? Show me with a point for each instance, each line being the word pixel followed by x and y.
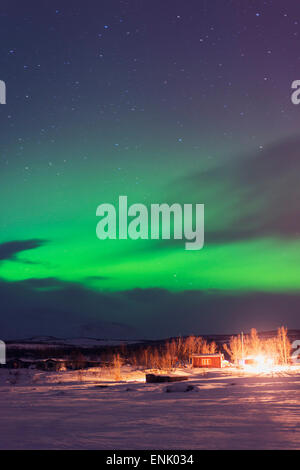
pixel 171 101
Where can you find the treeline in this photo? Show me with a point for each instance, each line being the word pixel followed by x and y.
pixel 166 355
pixel 179 350
pixel 172 353
pixel 277 348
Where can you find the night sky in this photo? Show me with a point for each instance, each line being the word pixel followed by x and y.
pixel 162 101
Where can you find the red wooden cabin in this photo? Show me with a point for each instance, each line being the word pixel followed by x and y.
pixel 207 360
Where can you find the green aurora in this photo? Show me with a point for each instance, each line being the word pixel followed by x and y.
pixel 189 103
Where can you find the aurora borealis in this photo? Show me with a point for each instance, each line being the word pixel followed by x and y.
pixel 172 101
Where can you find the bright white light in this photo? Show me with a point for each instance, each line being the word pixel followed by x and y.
pixel 259 363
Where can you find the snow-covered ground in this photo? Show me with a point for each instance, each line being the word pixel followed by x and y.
pixel 223 409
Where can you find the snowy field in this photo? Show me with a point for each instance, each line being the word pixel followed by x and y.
pixel 225 409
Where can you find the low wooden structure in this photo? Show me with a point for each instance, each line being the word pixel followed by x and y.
pixel 152 378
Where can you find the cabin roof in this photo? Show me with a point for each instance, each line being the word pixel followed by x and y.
pixel 207 355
